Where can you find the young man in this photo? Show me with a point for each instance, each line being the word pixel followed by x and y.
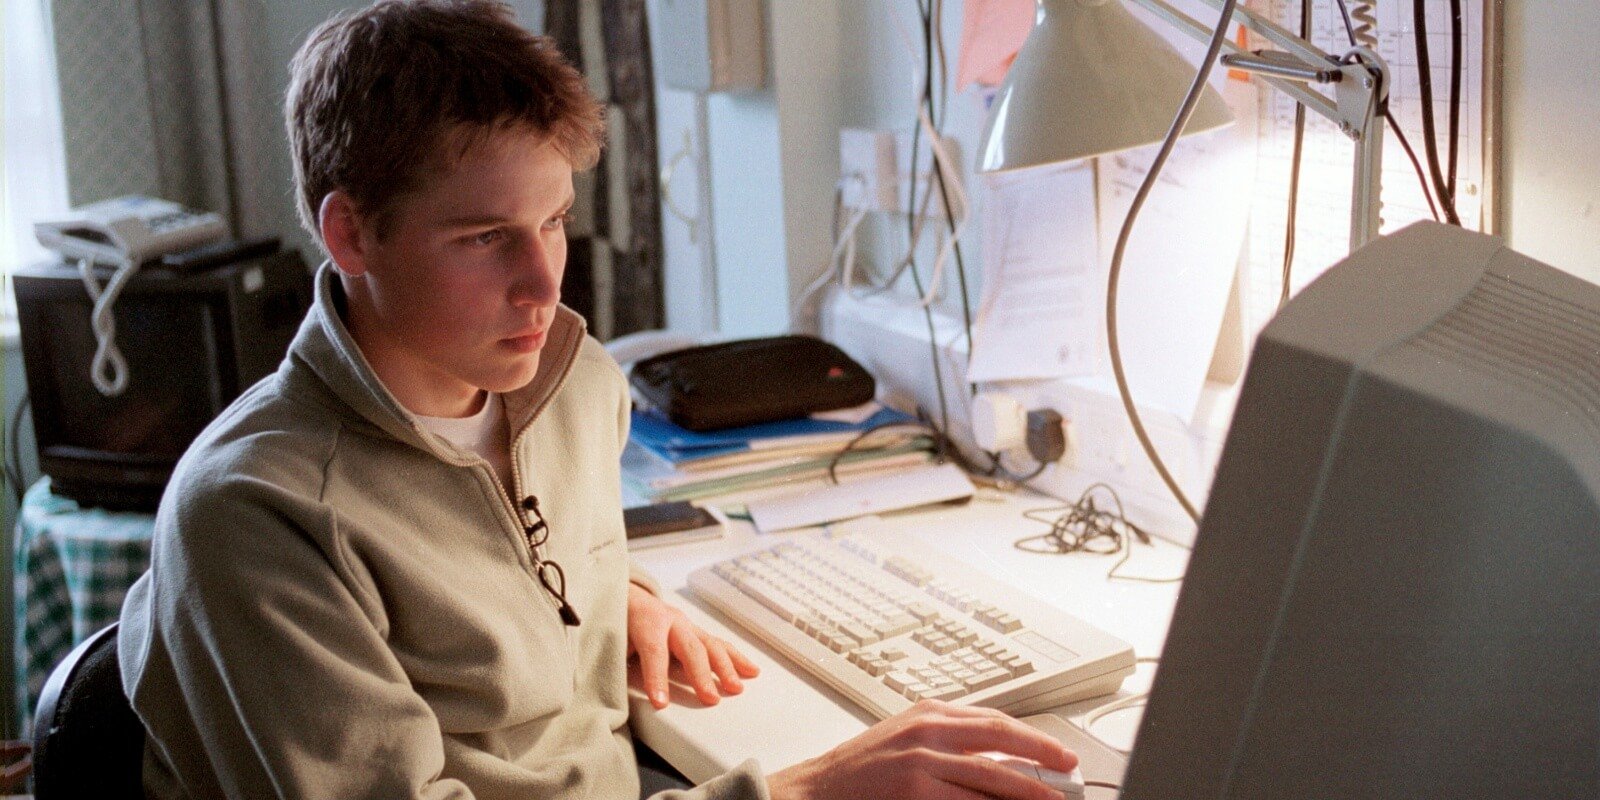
pixel 395 568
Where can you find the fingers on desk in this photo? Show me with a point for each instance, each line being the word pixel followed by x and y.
pixel 692 655
pixel 730 665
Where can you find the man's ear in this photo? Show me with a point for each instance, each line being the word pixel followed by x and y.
pixel 342 233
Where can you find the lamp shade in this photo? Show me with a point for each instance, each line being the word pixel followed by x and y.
pixel 1090 80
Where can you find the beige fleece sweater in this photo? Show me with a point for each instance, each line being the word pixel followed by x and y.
pixel 341 605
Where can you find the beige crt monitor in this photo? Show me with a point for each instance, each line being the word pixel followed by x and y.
pixel 1395 590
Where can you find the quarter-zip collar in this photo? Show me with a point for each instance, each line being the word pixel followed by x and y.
pixel 326 348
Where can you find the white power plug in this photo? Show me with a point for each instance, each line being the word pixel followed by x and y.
pixel 999 422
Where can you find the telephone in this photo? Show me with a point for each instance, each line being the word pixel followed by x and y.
pixel 129 230
pixel 123 232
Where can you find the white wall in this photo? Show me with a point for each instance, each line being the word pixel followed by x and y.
pixel 1552 133
pixel 774 158
pixel 1550 189
pixel 878 91
pixel 1550 184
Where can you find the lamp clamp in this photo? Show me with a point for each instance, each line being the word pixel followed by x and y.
pixel 1359 80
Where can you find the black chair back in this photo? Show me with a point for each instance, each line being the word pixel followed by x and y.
pixel 87 742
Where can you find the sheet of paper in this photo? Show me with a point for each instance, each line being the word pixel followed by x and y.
pixel 992 32
pixel 1180 261
pixel 854 415
pixel 1043 289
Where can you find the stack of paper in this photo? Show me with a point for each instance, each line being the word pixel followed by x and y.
pixel 665 462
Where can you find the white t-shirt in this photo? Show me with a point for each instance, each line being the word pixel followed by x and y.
pixel 486 433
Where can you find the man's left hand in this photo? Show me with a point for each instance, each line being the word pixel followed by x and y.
pixel 661 634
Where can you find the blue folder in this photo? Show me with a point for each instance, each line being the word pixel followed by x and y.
pixel 676 443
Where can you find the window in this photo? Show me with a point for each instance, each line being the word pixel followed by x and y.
pixel 34 172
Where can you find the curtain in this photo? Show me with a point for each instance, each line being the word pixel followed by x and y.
pixel 155 100
pixel 158 97
pixel 614 270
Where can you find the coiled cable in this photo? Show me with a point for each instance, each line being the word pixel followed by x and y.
pixel 1365 18
pixel 109 370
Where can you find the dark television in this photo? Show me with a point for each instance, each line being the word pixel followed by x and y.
pixel 193 342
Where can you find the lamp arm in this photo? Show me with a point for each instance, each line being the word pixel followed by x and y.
pixel 1360 80
pixel 1274 33
pixel 1366 210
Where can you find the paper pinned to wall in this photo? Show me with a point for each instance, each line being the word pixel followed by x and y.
pixel 1322 237
pixel 1180 262
pixel 992 33
pixel 1043 286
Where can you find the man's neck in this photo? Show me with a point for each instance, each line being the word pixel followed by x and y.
pixel 422 388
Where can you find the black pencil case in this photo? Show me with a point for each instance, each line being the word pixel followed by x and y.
pixel 750 381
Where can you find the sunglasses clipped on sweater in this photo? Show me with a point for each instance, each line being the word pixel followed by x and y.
pixel 550 573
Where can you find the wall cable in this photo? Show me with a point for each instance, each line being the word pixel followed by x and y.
pixel 1185 111
pixel 1430 140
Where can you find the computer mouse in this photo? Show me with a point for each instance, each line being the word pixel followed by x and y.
pixel 1068 783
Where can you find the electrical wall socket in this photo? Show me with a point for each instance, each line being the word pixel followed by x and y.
pixel 875 170
pixel 999 422
pixel 889 337
pixel 867 169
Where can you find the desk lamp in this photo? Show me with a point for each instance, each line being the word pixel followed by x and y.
pixel 1092 80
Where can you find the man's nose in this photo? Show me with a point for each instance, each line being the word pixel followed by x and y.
pixel 538 274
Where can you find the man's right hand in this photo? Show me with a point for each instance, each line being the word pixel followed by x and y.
pixel 929 753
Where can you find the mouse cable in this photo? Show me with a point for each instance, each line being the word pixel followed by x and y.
pixel 1100 712
pixel 1120 704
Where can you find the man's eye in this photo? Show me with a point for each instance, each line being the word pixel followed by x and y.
pixel 559 222
pixel 488 237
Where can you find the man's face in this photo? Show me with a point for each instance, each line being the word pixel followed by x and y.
pixel 462 288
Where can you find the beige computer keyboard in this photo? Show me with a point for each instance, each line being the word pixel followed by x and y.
pixel 888 628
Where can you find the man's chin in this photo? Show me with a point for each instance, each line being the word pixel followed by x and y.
pixel 514 378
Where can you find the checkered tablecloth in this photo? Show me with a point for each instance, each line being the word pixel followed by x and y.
pixel 72 567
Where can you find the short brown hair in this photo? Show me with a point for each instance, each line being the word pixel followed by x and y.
pixel 376 94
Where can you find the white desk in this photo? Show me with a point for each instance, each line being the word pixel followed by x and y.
pixel 784 717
